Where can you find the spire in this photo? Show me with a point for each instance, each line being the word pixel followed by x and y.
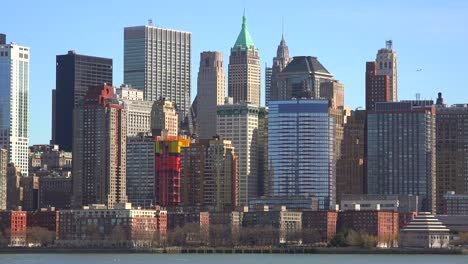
pixel 244 39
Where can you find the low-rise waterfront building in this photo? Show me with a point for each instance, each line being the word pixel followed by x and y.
pixel 425 231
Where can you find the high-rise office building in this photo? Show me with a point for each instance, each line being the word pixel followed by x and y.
pixel 99 149
pixel 377 86
pixel 280 62
pixel 140 170
pixel 244 79
pixel 239 124
pixel 210 175
pixel 350 166
pixel 14 102
pixel 75 73
pixel 401 150
pixel 14 190
pixel 158 60
pixel 301 148
pixel 138 110
pixel 301 78
pixel 268 73
pixel 3 179
pixel 452 151
pixel 386 61
pixel 211 91
pixel 164 119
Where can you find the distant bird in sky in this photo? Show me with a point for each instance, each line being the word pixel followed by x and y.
pixel 418 70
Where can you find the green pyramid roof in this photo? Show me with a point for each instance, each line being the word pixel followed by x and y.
pixel 244 39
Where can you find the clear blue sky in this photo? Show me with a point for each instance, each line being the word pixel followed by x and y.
pixel 428 35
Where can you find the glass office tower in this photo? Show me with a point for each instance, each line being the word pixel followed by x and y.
pixel 301 150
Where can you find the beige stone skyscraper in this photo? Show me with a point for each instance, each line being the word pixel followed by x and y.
pixel 164 119
pixel 386 61
pixel 211 90
pixel 244 69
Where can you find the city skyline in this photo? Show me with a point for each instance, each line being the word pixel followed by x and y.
pixel 346 42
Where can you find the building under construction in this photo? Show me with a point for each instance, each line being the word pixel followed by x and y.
pixel 168 173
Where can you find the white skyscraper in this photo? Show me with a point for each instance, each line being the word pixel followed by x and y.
pixel 239 123
pixel 387 64
pixel 158 60
pixel 14 102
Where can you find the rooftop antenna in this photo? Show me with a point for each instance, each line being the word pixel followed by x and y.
pixel 150 22
pixel 282 27
pixel 389 44
pixel 418 96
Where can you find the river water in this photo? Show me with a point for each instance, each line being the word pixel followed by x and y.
pixel 227 259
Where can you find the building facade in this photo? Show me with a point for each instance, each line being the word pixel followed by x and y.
pixel 239 124
pixel 3 179
pixel 210 175
pixel 455 204
pixel 366 202
pixel 301 150
pixel 13 226
pixel 158 60
pixel 140 170
pixel 350 171
pixel 138 110
pixel 99 149
pixel 55 191
pixel 268 73
pixel 75 73
pixel 164 119
pixel 452 151
pixel 14 102
pixel 401 151
pixel 320 224
pixel 386 60
pixel 211 91
pixel 244 79
pixel 377 86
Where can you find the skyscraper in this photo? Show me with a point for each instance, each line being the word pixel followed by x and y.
pixel 210 175
pixel 301 78
pixel 280 62
pixel 14 102
pixel 239 124
pixel 386 60
pixel 401 150
pixel 3 179
pixel 244 69
pixel 452 151
pixel 140 170
pixel 158 60
pixel 74 75
pixel 350 166
pixel 301 148
pixel 268 73
pixel 377 86
pixel 211 91
pixel 99 149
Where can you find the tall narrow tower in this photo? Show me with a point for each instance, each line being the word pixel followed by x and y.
pixel 99 149
pixel 211 91
pixel 386 61
pixel 14 102
pixel 244 69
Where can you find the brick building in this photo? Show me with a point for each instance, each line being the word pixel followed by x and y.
pixel 321 224
pixel 381 224
pixel 13 228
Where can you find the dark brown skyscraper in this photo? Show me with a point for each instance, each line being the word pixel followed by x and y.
pixel 452 151
pixel 74 75
pixel 377 86
pixel 99 149
pixel 350 167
